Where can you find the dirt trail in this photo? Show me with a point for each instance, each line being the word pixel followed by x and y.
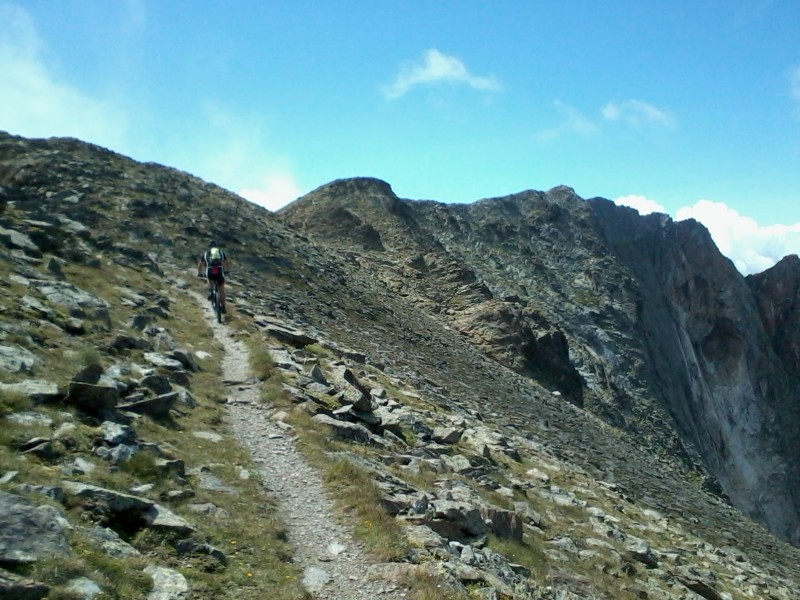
pixel 336 567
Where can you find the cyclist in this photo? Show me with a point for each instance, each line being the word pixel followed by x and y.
pixel 215 263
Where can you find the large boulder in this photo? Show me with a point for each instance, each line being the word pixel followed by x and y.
pixel 352 390
pixel 15 359
pixel 37 391
pixel 28 532
pixel 130 513
pixel 344 430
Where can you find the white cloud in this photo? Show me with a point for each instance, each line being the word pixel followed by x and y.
pixel 276 191
pixel 644 205
pixel 34 103
pixel 437 67
pixel 752 247
pixel 637 113
pixel 572 121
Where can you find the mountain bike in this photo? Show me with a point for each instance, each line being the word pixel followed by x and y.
pixel 215 300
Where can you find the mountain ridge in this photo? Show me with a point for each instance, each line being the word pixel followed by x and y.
pixel 514 314
pixel 693 314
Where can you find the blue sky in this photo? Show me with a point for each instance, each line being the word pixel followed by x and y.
pixel 687 107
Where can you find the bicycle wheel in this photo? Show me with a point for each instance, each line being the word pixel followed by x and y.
pixel 215 302
pixel 217 307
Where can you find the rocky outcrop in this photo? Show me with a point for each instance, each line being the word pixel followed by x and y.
pixel 639 319
pixel 713 361
pixel 777 294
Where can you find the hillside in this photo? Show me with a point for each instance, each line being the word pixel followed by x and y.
pixel 550 397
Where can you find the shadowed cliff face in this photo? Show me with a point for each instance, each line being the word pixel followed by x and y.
pixel 638 319
pixel 723 368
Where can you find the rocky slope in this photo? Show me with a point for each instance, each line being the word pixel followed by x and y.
pixel 504 371
pixel 640 320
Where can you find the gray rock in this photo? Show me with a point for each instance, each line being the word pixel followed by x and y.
pixel 15 359
pixel 344 430
pixel 189 547
pixel 315 579
pixel 84 587
pixel 168 584
pixel 78 466
pixel 505 524
pixel 186 359
pixel 284 332
pixel 37 390
pixel 116 433
pixel 30 419
pixel 159 360
pixel 352 390
pixel 15 239
pixel 463 516
pixel 641 551
pixel 29 532
pixel 90 398
pixel 66 294
pixel 14 587
pixel 109 542
pixel 208 435
pixel 447 435
pixel 157 406
pixel 149 513
pixel 156 383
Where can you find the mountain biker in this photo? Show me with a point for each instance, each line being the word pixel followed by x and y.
pixel 215 263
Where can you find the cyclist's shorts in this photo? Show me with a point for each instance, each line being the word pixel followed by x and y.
pixel 215 274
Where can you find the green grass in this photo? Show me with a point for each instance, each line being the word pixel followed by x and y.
pixel 357 494
pixel 259 563
pixel 318 351
pixel 261 363
pixel 11 402
pixel 426 586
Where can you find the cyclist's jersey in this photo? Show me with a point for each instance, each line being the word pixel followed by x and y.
pixel 214 257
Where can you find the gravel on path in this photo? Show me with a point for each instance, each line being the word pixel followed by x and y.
pixel 335 565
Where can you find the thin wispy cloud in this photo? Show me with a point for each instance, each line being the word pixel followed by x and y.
pixel 573 121
pixel 637 113
pixel 34 103
pixel 437 67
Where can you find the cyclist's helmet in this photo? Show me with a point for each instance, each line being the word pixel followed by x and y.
pixel 212 244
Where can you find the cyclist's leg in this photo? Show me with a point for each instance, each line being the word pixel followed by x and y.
pixel 208 284
pixel 221 288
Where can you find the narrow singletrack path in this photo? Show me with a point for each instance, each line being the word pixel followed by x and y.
pixel 335 565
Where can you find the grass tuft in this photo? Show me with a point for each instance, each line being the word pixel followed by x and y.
pixel 261 362
pixel 357 494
